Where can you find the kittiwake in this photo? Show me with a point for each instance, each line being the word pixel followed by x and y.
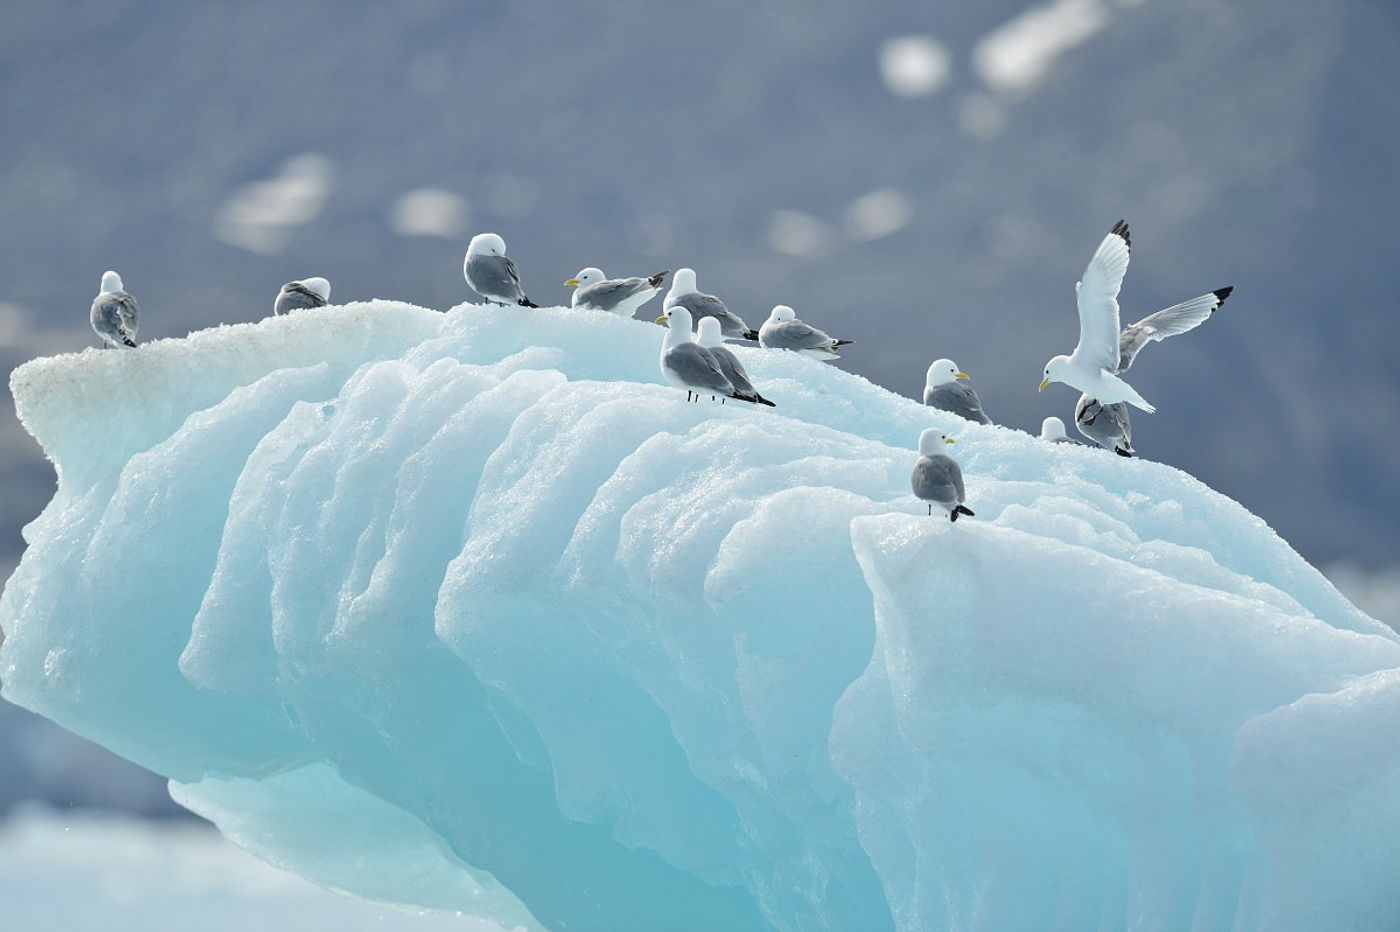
pixel 782 330
pixel 492 275
pixel 115 313
pixel 944 390
pixel 711 338
pixel 1052 430
pixel 308 292
pixel 621 296
pixel 688 365
pixel 699 304
pixel 937 479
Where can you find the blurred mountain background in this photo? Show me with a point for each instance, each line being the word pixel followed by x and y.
pixel 928 180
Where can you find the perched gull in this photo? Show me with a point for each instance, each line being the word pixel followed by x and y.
pixel 1108 425
pixel 782 330
pixel 943 391
pixel 936 477
pixel 700 305
pixel 688 365
pixel 491 274
pixel 1092 366
pixel 114 313
pixel 309 292
pixel 1052 430
pixel 620 296
pixel 712 339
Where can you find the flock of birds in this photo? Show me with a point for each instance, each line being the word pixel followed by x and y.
pixel 694 357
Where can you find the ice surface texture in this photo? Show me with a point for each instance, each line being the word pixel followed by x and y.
pixel 467 610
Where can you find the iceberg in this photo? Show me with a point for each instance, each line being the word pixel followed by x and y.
pixel 468 611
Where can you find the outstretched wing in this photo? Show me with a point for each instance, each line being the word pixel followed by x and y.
pixel 1178 318
pixel 1097 297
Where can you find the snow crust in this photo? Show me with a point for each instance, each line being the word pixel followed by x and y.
pixel 469 611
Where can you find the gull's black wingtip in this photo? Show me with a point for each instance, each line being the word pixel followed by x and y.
pixel 526 302
pixel 763 401
pixel 844 342
pixel 128 341
pixel 964 510
pixel 1222 294
pixel 656 280
pixel 1121 229
pixel 1122 451
pixel 751 335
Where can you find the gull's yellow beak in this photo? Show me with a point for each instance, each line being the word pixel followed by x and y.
pixel 949 440
pixel 1043 383
pixel 572 281
pixel 660 320
pixel 959 375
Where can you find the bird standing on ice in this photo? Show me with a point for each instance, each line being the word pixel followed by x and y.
pixel 307 292
pixel 490 274
pixel 1093 365
pixel 699 304
pixel 944 390
pixel 937 479
pixel 115 313
pixel 710 337
pixel 621 296
pixel 688 365
pixel 782 330
pixel 1052 430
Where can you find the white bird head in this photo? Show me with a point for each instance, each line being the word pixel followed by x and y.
pixel 932 441
pixel 1054 371
pixel 683 282
pixel 942 372
pixel 111 282
pixel 781 313
pixel 709 333
pixel 486 244
pixel 1052 428
pixel 589 276
pixel 319 285
pixel 678 318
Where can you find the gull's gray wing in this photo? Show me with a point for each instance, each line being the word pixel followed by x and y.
pixel 729 364
pixel 1097 298
pixel 494 278
pixel 114 316
pixel 957 398
pixel 1176 319
pixel 695 367
pixel 294 296
pixel 707 305
pixel 606 295
pixel 938 478
pixel 1106 425
pixel 795 335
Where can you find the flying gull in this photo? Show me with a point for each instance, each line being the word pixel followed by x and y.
pixel 936 478
pixel 1108 425
pixel 699 304
pixel 1052 430
pixel 688 365
pixel 114 313
pixel 944 390
pixel 490 274
pixel 712 339
pixel 782 330
pixel 1092 366
pixel 621 296
pixel 308 292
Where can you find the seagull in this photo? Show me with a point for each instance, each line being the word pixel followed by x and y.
pixel 309 292
pixel 700 305
pixel 490 274
pixel 937 479
pixel 621 296
pixel 1093 365
pixel 782 330
pixel 710 337
pixel 114 313
pixel 1052 430
pixel 688 365
pixel 1108 425
pixel 944 391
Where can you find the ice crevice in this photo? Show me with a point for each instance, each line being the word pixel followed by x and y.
pixel 468 611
